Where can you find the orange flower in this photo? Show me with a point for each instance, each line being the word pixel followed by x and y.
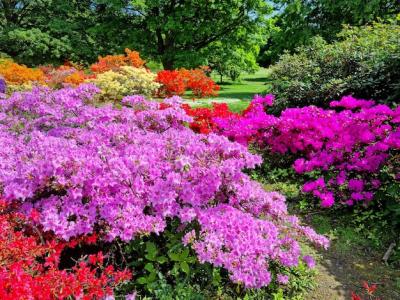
pixel 113 62
pixel 14 73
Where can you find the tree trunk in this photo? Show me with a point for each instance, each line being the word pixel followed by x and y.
pixel 168 63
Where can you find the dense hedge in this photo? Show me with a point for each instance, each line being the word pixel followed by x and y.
pixel 365 63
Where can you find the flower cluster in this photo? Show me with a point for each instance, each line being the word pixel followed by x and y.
pixel 122 173
pixel 29 264
pixel 114 62
pixel 125 81
pixel 64 76
pixel 16 74
pixel 203 117
pixel 3 86
pixel 176 82
pixel 348 146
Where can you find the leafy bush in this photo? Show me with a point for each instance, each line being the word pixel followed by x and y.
pixel 364 63
pixel 125 173
pixel 125 81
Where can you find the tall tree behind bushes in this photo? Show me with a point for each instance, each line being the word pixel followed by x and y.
pixel 175 32
pixel 297 21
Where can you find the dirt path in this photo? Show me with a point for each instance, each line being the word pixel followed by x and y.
pixel 340 272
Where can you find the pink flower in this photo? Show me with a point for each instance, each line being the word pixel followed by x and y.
pixel 282 279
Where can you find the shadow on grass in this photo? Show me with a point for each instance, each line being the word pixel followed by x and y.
pixel 237 95
pixel 350 260
pixel 256 79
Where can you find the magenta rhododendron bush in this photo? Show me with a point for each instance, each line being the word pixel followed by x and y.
pixel 348 145
pixel 123 173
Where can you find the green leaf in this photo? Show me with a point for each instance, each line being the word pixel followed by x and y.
pixel 142 280
pixel 185 267
pixel 162 259
pixel 174 256
pixel 149 267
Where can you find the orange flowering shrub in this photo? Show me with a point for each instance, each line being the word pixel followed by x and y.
pixel 200 84
pixel 113 62
pixel 75 78
pixel 14 73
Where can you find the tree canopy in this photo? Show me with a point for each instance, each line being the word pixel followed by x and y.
pixel 175 32
pixel 297 21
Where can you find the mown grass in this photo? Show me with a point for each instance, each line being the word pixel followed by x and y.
pixel 236 94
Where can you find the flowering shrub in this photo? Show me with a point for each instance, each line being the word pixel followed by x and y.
pixel 114 62
pixel 348 147
pixel 29 264
pixel 3 86
pixel 176 82
pixel 16 74
pixel 199 83
pixel 172 83
pixel 122 173
pixel 125 81
pixel 64 76
pixel 203 116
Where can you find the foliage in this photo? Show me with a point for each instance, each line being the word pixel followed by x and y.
pixel 166 269
pixel 125 81
pixel 232 60
pixel 51 31
pixel 115 62
pixel 17 74
pixel 296 22
pixel 365 63
pixel 174 31
pixel 120 173
pixel 176 82
pixel 30 262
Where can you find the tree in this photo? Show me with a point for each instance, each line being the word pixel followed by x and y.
pixel 51 31
pixel 233 60
pixel 297 21
pixel 172 30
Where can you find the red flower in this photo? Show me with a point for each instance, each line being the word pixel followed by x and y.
pixel 370 289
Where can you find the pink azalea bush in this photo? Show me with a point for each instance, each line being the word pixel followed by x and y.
pixel 347 146
pixel 123 173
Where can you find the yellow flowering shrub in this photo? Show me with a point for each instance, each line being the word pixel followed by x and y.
pixel 11 88
pixel 126 81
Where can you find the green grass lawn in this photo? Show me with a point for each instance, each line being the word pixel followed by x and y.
pixel 236 94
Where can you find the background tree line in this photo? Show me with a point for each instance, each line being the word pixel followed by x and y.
pixel 229 35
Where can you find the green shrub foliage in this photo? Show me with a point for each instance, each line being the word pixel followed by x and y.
pixel 365 63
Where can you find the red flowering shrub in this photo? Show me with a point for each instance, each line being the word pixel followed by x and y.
pixel 176 82
pixel 113 62
pixel 172 83
pixel 203 117
pixel 29 264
